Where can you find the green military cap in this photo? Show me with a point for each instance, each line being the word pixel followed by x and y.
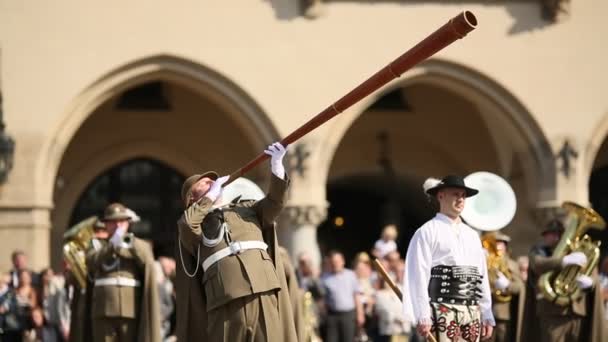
pixel 115 212
pixel 554 226
pixel 502 237
pixel 99 224
pixel 187 186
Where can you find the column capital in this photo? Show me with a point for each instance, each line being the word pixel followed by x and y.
pixel 301 215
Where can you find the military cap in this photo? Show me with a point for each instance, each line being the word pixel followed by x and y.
pixel 187 186
pixel 554 226
pixel 116 212
pixel 502 237
pixel 99 225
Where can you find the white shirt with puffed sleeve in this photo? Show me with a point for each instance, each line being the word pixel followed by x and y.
pixel 442 241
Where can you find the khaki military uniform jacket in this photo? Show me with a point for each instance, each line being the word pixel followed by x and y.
pixel 504 311
pixel 131 261
pixel 249 272
pixel 589 305
pixel 539 265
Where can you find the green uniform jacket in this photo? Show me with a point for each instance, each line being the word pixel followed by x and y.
pixel 77 308
pixel 251 271
pixel 295 294
pixel 512 311
pixel 140 303
pixel 590 305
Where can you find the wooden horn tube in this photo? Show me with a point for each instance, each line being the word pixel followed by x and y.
pixel 456 28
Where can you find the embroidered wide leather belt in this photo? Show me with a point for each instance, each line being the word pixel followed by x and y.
pixel 234 248
pixel 455 285
pixel 117 281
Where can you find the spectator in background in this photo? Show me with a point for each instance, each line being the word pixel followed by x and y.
pixel 53 301
pixel 387 242
pixel 41 330
pixel 523 263
pixel 363 269
pixel 308 281
pixel 164 269
pixel 27 298
pixel 603 281
pixel 343 307
pixel 19 260
pixel 10 325
pixel 394 263
pixel 392 324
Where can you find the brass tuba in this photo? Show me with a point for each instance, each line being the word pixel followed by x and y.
pixel 310 318
pixel 77 240
pixel 497 262
pixel 561 288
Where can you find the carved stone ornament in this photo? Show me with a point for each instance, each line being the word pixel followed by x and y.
pixel 554 10
pixel 304 215
pixel 297 159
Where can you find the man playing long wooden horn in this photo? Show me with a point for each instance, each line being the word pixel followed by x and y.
pixel 243 286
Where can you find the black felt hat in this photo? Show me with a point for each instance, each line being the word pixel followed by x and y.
pixel 452 181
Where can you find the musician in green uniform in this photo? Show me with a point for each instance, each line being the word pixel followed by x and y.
pixel 507 288
pixel 125 298
pixel 546 321
pixel 80 319
pixel 243 293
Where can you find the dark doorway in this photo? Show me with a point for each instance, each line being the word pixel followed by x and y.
pixel 360 206
pixel 598 196
pixel 150 188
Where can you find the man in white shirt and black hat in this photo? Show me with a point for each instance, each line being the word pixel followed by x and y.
pixel 446 287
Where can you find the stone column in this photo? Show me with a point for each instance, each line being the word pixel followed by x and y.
pixel 306 207
pixel 26 229
pixel 298 231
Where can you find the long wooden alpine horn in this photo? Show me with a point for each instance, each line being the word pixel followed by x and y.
pixel 456 28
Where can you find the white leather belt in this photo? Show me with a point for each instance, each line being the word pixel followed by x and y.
pixel 117 281
pixel 234 248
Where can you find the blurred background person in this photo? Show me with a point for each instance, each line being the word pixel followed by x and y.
pixel 41 330
pixel 19 260
pixel 363 270
pixel 342 301
pixel 524 263
pixel 11 327
pixel 388 309
pixel 387 242
pixel 53 301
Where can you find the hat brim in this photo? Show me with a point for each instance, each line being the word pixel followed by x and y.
pixel 468 191
pixel 209 174
pixel 117 218
pixel 503 238
pixel 547 231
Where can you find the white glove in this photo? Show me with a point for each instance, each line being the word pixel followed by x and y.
pixel 276 152
pixel 584 282
pixel 215 190
pixel 119 233
pixel 576 258
pixel 501 282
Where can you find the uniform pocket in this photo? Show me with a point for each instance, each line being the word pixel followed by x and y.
pixel 214 289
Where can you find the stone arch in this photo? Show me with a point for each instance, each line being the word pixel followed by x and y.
pixel 539 165
pixel 206 82
pixel 594 146
pixel 238 108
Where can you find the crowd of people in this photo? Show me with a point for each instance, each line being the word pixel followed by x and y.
pixel 234 282
pixel 35 306
pixel 38 306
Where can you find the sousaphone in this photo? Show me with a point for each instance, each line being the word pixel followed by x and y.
pixel 494 206
pixel 490 210
pixel 243 187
